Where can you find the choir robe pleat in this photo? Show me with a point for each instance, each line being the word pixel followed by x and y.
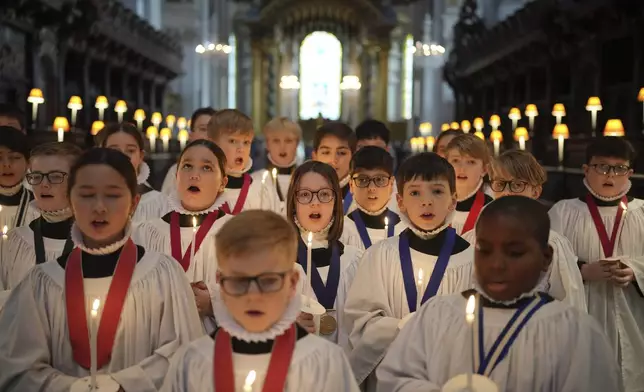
pixel 152 205
pixel 260 197
pixel 284 181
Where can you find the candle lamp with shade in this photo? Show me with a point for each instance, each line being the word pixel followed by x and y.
pixel 558 112
pixel 152 133
pixel 97 126
pixel 496 137
pixel 156 119
pixel 531 112
pixel 466 126
pixel 560 133
pixel 480 135
pixel 101 104
pixel 183 137
pixel 495 122
pixel 35 98
pixel 61 125
pixel 75 104
pixel 521 135
pixel 139 117
pixel 170 120
pixel 515 116
pixel 594 105
pixel 479 124
pixel 640 98
pixel 425 128
pixel 429 142
pixel 445 127
pixel 182 123
pixel 120 107
pixel 454 125
pixel 614 127
pixel 165 134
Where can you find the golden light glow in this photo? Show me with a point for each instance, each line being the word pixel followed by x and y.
pixel 75 103
pixel 425 128
pixel 430 141
pixel 120 106
pixel 454 125
pixel 97 126
pixel 520 133
pixel 594 103
pixel 444 127
pixel 614 127
pixel 466 126
pixel 152 132
pixel 559 110
pixel 479 123
pixel 479 135
pixel 531 110
pixel 515 114
pixel 560 130
pixel 182 122
pixel 183 135
pixel 165 133
pixel 495 121
pixel 496 136
pixel 156 118
pixel 61 123
pixel 640 96
pixel 101 102
pixel 35 96
pixel 139 115
pixel 170 120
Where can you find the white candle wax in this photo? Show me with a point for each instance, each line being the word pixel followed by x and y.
pixel 469 318
pixel 34 111
pixel 166 144
pixel 74 111
pixel 153 143
pixel 309 247
pixel 94 343
pixel 558 119
pixel 274 175
pixel 497 146
pixel 193 245
pixel 61 135
pixel 560 143
pixel 386 227
pixel 120 114
pixel 261 199
pixel 531 123
pixel 593 120
pixel 521 143
pixel 430 146
pixel 101 113
pixel 419 289
pixel 250 380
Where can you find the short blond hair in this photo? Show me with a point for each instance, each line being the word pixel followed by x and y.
pixel 65 150
pixel 256 230
pixel 519 165
pixel 471 145
pixel 282 124
pixel 229 121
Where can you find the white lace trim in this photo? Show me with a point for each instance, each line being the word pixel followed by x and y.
pixel 246 168
pixel 458 199
pixel 176 205
pixel 345 181
pixel 144 173
pixel 52 216
pixel 372 213
pixel 268 156
pixel 77 239
pixel 227 322
pixel 608 199
pixel 424 234
pixel 320 237
pixel 10 190
pixel 542 286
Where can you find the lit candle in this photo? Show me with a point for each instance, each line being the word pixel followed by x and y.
pixel 522 142
pixel 309 247
pixel 469 318
pixel 5 229
pixel 497 146
pixel 261 199
pixel 250 380
pixel 193 245
pixel 561 149
pixel 419 289
pixel 93 343
pixel 274 174
pixel 386 227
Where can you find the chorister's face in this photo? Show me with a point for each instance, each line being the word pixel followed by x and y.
pixel 13 167
pixel 236 146
pixel 427 203
pixel 102 204
pixel 469 171
pixel 314 215
pixel 199 179
pixel 609 184
pixel 282 146
pixel 126 144
pixel 48 176
pixel 508 259
pixel 374 196
pixel 200 127
pixel 441 146
pixel 335 152
pixel 503 184
pixel 257 311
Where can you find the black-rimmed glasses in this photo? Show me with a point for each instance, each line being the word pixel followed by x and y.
pixel 515 186
pixel 237 286
pixel 324 195
pixel 53 177
pixel 604 169
pixel 365 181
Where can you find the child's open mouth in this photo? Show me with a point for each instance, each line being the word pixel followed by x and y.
pixel 46 196
pixel 315 216
pixel 608 184
pixel 239 161
pixel 254 313
pixel 99 224
pixel 282 155
pixel 461 177
pixel 193 189
pixel 427 216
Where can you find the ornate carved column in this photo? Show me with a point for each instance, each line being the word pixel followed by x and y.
pixel 382 54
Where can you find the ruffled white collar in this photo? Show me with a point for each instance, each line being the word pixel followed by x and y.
pixel 144 173
pixel 52 216
pixel 227 322
pixel 176 205
pixel 319 237
pixel 77 239
pixel 345 181
pixel 542 287
pixel 270 159
pixel 10 190
pixel 476 189
pixel 371 213
pixel 425 234
pixel 246 168
pixel 607 199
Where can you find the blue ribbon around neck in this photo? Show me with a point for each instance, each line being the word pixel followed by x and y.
pixel 362 228
pixel 325 294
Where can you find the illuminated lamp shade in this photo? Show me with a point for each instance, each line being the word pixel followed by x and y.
pixel 455 125
pixel 614 127
pixel 531 110
pixel 165 134
pixel 640 95
pixel 97 126
pixel 425 128
pixel 479 123
pixel 75 103
pixel 120 106
pixel 445 127
pixel 594 103
pixel 515 114
pixel 35 96
pixel 495 121
pixel 156 118
pixel 429 142
pixel 101 102
pixel 182 122
pixel 466 126
pixel 521 134
pixel 152 132
pixel 61 123
pixel 560 131
pixel 559 110
pixel 170 120
pixel 496 136
pixel 139 115
pixel 479 135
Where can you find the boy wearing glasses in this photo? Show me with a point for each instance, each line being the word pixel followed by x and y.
pixel 258 341
pixel 372 182
pixel 606 230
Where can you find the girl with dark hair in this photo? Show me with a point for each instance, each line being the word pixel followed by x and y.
pixel 187 232
pixel 136 297
pixel 314 205
pixel 126 138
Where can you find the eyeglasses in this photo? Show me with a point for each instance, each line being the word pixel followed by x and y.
pixel 324 195
pixel 515 186
pixel 603 168
pixel 364 181
pixel 269 282
pixel 53 177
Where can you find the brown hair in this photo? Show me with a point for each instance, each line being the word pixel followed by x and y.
pixel 229 121
pixel 471 145
pixel 520 165
pixel 338 129
pixel 282 123
pixel 253 231
pixel 125 127
pixel 66 150
pixel 331 176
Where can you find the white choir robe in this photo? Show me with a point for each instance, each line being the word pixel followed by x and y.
pixel 152 205
pixel 377 301
pixel 170 181
pixel 560 349
pixel 260 197
pixel 564 278
pixel 284 180
pixel 159 315
pixel 8 215
pixel 376 235
pixel 620 311
pixel 316 366
pixel 460 217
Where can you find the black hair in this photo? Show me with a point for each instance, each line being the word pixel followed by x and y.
pixel 530 212
pixel 426 166
pixel 372 129
pixel 109 157
pixel 12 111
pixel 207 111
pixel 14 140
pixel 125 127
pixel 372 158
pixel 449 132
pixel 213 147
pixel 338 129
pixel 610 147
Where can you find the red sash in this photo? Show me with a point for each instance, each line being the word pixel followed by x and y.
pixel 113 306
pixel 473 215
pixel 276 374
pixel 608 245
pixel 175 237
pixel 241 199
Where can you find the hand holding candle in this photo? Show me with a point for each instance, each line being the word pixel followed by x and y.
pixel 250 380
pixel 96 304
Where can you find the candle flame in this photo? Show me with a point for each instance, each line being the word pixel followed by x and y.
pixel 469 309
pixel 623 205
pixel 264 177
pixel 421 274
pixel 250 379
pixel 274 173
pixel 95 306
pixel 194 223
pixel 386 221
pixel 5 229
pixel 310 237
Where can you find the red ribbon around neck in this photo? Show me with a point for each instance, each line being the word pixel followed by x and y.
pixel 76 309
pixel 175 237
pixel 276 374
pixel 608 245
pixel 473 215
pixel 243 194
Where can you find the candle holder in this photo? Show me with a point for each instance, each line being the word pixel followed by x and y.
pixel 466 126
pixel 35 98
pixel 521 135
pixel 139 117
pixel 559 111
pixel 75 104
pixel 496 137
pixel 515 116
pixel 101 104
pixel 560 133
pixel 531 112
pixel 593 105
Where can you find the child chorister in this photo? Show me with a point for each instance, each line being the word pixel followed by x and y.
pixel 372 181
pixel 258 345
pixel 187 232
pixel 233 132
pixel 470 156
pixel 397 275
pixel 605 228
pixel 282 137
pixel 515 337
pixel 14 197
pixel 517 172
pixel 126 138
pixel 314 207
pixel 137 301
pixel 46 237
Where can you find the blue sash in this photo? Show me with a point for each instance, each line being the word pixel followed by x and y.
pixel 346 203
pixel 437 274
pixel 362 228
pixel 325 294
